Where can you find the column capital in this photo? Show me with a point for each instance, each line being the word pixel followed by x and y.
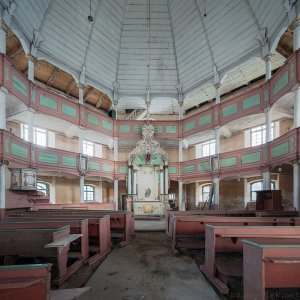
pixel 80 85
pixel 268 57
pixel 3 26
pixel 217 85
pixel 31 57
pixel 4 90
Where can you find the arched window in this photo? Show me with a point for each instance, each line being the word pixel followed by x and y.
pixel 43 187
pixel 258 186
pixel 89 193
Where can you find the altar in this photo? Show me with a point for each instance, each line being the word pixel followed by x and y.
pixel 148 180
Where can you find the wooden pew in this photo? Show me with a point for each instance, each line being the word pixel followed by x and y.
pixel 229 239
pixel 121 223
pixel 25 282
pixel 265 265
pixel 28 282
pixel 170 215
pixel 79 226
pixel 98 231
pixel 45 243
pixel 189 231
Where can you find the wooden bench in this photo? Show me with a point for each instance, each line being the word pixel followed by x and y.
pixel 98 232
pixel 266 265
pixel 121 223
pixel 28 282
pixel 170 216
pixel 189 231
pixel 229 239
pixel 38 243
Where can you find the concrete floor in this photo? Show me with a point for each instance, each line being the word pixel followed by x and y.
pixel 147 269
pixel 150 225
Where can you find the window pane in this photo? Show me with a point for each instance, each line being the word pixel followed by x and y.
pixel 88 148
pixel 89 193
pixel 42 187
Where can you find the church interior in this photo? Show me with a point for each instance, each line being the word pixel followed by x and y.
pixel 149 149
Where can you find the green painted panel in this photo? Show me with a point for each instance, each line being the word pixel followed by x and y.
pixel 92 165
pixel 125 128
pixel 18 150
pixel 205 120
pixel 266 95
pixel 189 169
pixel 92 119
pixel 137 129
pixel 6 145
pixel 228 162
pixel 107 125
pixel 139 160
pixel 251 101
pixel 190 125
pixel 69 110
pixel 251 158
pixel 19 86
pixel 279 150
pixel 49 158
pixel 281 83
pixel 204 166
pixel 33 95
pixel 170 129
pixel 229 110
pixel 82 115
pixel 158 129
pixel 6 73
pixel 292 68
pixel 48 102
pixel 69 161
pixel 123 169
pixel 172 170
pixel 108 168
pixel 156 160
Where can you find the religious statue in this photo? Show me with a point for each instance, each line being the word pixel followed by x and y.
pixel 147 192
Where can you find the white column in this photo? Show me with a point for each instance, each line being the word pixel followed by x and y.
pixel 80 97
pixel 81 189
pixel 181 204
pixel 3 93
pixel 268 65
pixel 218 92
pixel 129 181
pixel 116 193
pixel 3 30
pixel 80 140
pixel 31 61
pixel 268 124
pixel 267 180
pixel 30 120
pixel 217 139
pixel 216 182
pixel 166 180
pixel 161 182
pixel 2 188
pixel 134 182
pixel 296 186
pixel 296 34
pixel 297 107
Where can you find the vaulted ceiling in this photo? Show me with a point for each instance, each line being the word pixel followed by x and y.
pixel 150 43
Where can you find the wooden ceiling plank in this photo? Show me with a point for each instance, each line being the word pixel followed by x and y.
pixel 53 76
pixel 15 52
pixel 90 91
pixel 70 87
pixel 100 100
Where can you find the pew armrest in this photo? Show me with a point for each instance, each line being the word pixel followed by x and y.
pixel 282 260
pixel 64 241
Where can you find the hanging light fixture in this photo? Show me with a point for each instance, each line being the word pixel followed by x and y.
pixel 90 18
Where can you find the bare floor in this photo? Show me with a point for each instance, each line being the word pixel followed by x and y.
pixel 147 269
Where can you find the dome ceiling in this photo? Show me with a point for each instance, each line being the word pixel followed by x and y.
pixel 134 44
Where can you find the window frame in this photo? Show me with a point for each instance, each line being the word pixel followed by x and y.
pixel 86 193
pixel 261 129
pixel 88 145
pixel 211 149
pixel 273 187
pixel 46 190
pixel 36 131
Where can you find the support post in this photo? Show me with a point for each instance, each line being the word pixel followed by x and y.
pixel 297 108
pixel 2 191
pixel 161 182
pixel 3 94
pixel 116 193
pixel 3 30
pixel 267 180
pixel 296 185
pixel 81 189
pixel 134 182
pixel 80 97
pixel 30 120
pixel 166 181
pixel 216 182
pixel 129 181
pixel 31 62
pixel 181 204
pixel 296 34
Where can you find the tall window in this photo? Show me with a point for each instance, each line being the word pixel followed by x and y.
pixel 205 192
pixel 88 148
pixel 206 149
pixel 258 186
pixel 39 135
pixel 258 135
pixel 89 193
pixel 43 187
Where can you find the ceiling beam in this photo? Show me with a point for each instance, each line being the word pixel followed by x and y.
pixel 15 52
pixel 53 76
pixel 101 98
